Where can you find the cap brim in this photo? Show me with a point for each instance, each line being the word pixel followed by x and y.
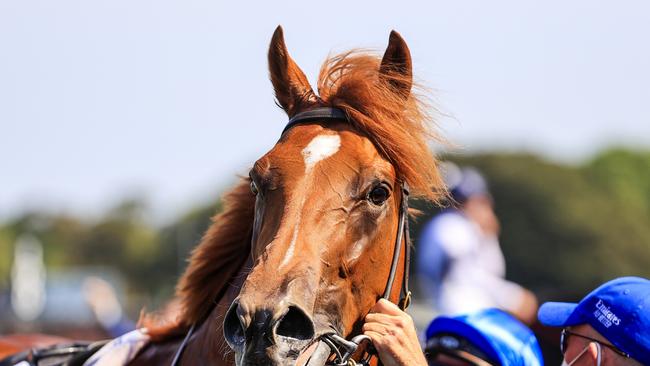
pixel 557 314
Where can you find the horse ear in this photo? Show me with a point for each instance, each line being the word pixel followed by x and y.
pixel 396 67
pixel 292 90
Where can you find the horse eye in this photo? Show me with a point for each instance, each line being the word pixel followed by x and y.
pixel 254 188
pixel 378 195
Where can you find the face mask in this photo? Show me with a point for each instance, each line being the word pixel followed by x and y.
pixel 564 363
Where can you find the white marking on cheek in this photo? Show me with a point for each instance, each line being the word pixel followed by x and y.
pixel 360 245
pixel 357 248
pixel 321 147
pixel 292 244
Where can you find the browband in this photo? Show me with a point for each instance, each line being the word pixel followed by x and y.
pixel 321 113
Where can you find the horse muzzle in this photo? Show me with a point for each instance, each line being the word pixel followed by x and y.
pixel 268 336
pixel 289 339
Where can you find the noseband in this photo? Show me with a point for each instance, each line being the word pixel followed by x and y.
pixel 341 349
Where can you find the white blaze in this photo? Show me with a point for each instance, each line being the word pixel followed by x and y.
pixel 319 148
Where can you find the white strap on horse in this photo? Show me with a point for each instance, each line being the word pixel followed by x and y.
pixel 120 351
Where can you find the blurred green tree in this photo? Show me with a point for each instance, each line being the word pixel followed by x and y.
pixel 566 229
pixel 149 258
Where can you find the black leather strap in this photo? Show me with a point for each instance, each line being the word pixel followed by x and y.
pixel 402 238
pixel 181 348
pixel 405 293
pixel 72 354
pixel 316 114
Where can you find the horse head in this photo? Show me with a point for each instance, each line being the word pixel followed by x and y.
pixel 327 203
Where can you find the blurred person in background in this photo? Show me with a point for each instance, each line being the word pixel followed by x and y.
pixel 460 265
pixel 610 326
pixel 105 305
pixel 102 299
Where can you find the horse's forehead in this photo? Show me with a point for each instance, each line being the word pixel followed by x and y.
pixel 307 145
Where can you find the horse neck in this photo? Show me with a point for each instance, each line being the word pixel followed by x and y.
pixel 207 345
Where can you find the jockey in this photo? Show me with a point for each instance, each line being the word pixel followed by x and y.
pixel 610 326
pixel 460 265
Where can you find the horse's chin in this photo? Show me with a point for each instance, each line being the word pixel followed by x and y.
pixel 314 355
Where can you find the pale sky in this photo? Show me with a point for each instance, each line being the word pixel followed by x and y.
pixel 170 99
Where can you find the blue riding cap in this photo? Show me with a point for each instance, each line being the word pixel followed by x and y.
pixel 618 309
pixel 497 334
pixel 464 183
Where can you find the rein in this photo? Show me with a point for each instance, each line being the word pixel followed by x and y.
pixel 340 348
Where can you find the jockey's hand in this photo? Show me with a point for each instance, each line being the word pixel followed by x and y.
pixel 393 334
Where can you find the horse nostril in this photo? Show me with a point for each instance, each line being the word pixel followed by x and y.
pixel 295 324
pixel 233 329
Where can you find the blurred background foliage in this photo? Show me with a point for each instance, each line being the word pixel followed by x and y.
pixel 565 228
pixel 149 258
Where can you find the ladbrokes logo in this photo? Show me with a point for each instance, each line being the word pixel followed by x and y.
pixel 606 316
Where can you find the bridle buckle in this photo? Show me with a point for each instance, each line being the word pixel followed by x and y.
pixel 344 349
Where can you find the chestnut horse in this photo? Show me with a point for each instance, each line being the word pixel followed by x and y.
pixel 305 244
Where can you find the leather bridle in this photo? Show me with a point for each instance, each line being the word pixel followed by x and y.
pixel 341 349
pixel 337 114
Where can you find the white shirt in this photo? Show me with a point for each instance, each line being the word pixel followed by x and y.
pixel 475 277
